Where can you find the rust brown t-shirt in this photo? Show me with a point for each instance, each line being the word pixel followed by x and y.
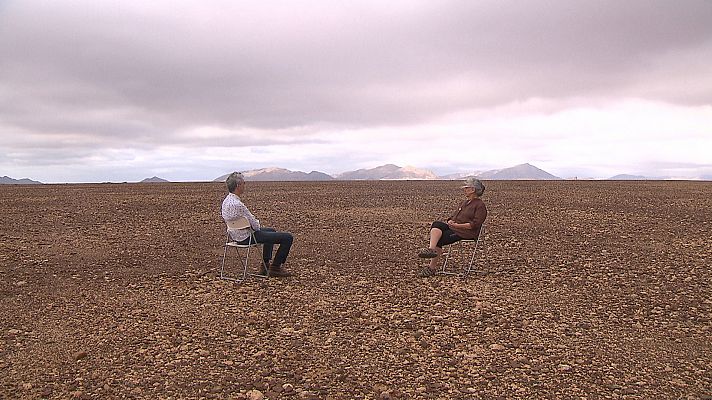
pixel 473 212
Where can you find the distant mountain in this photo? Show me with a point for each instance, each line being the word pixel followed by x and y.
pixel 394 172
pixel 280 174
pixel 6 180
pixel 626 177
pixel 388 172
pixel 518 172
pixel 460 175
pixel 155 179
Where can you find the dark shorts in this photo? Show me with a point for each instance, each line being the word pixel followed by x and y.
pixel 449 236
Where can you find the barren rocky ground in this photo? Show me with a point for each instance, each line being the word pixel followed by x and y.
pixel 587 290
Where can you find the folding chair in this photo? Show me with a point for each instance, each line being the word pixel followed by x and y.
pixel 240 223
pixel 478 243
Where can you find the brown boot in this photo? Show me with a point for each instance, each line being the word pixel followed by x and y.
pixel 263 269
pixel 279 271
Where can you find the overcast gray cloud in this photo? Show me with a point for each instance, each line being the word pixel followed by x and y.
pixel 123 75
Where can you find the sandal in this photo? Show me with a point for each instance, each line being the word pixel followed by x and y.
pixel 426 272
pixel 428 253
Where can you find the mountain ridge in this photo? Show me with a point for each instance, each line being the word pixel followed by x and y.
pixel 388 172
pixel 524 171
pixel 628 177
pixel 154 179
pixel 6 180
pixel 279 174
pixel 394 172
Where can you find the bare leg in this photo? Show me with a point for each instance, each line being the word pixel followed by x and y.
pixel 434 261
pixel 435 235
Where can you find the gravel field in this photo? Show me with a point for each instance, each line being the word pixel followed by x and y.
pixel 586 290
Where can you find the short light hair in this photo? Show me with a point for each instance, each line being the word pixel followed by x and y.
pixel 479 188
pixel 233 180
pixel 475 184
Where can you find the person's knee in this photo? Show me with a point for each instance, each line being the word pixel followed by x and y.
pixel 288 238
pixel 439 225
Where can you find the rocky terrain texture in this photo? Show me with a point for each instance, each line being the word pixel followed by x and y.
pixel 586 290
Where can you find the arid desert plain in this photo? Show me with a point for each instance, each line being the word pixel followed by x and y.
pixel 585 290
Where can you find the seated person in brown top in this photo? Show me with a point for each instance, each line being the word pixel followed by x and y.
pixel 465 223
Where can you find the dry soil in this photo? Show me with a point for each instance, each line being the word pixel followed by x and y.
pixel 585 290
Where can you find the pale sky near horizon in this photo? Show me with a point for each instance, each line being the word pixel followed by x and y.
pixel 94 91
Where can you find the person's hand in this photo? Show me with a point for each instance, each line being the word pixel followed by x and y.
pixel 450 223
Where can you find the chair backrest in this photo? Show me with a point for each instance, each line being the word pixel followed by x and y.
pixel 480 235
pixel 240 223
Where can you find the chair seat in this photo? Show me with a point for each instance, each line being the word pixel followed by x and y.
pixel 479 244
pixel 242 246
pixel 240 223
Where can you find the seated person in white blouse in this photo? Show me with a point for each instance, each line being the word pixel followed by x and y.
pixel 233 208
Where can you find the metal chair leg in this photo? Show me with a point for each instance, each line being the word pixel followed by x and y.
pixel 240 223
pixel 222 265
pixel 450 250
pixel 228 278
pixel 459 246
pixel 468 269
pixel 480 244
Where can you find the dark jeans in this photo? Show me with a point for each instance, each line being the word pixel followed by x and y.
pixel 449 236
pixel 269 237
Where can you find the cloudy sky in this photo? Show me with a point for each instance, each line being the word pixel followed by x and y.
pixel 95 90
